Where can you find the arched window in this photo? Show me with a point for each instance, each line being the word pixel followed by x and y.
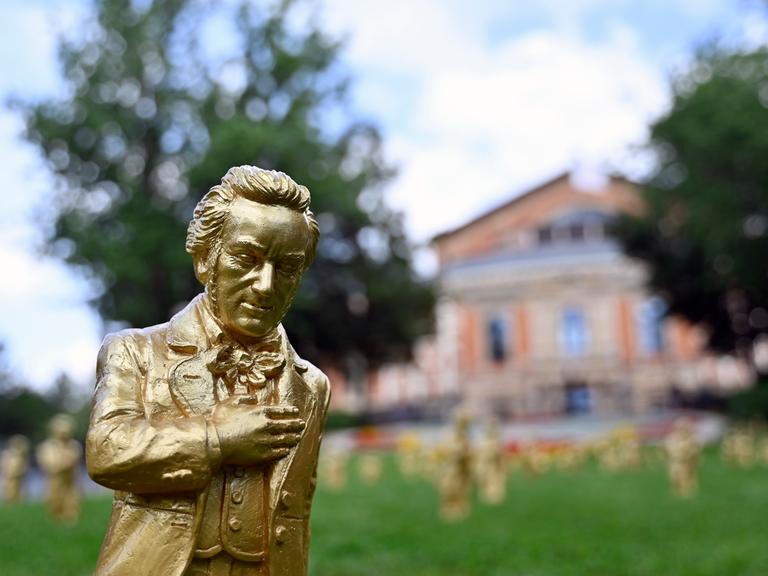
pixel 574 333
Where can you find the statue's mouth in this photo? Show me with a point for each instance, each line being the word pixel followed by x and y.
pixel 258 308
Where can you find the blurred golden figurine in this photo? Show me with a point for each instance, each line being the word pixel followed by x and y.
pixel 683 458
pixel 534 460
pixel 370 468
pixel 409 452
pixel 742 447
pixel 433 458
pixel 14 464
pixel 59 457
pixel 455 479
pixel 490 465
pixel 620 450
pixel 571 458
pixel 208 427
pixel 630 449
pixel 334 470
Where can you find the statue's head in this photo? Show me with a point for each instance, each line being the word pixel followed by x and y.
pixel 18 443
pixel 62 426
pixel 251 238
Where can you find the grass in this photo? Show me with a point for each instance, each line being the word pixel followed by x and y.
pixel 560 524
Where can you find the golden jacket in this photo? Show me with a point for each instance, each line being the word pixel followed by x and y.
pixel 149 440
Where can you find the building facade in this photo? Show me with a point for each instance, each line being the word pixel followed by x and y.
pixel 540 312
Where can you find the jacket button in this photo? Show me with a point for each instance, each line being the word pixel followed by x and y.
pixel 280 532
pixel 237 496
pixel 235 524
pixel 285 498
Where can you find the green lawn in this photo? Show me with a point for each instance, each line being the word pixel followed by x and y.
pixel 560 524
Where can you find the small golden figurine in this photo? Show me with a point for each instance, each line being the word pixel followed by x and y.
pixel 334 470
pixel 534 459
pixel 14 464
pixel 456 472
pixel 59 457
pixel 742 446
pixel 370 468
pixel 208 427
pixel 571 458
pixel 433 458
pixel 683 455
pixel 490 466
pixel 620 451
pixel 409 452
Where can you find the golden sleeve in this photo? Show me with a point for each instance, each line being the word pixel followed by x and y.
pixel 125 449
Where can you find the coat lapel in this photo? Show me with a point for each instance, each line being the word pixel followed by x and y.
pixel 191 384
pixel 292 391
pixel 190 333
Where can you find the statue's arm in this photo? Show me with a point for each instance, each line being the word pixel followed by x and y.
pixel 126 450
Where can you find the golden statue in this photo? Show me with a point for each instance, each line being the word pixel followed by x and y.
pixel 208 427
pixel 370 468
pixel 59 457
pixel 14 464
pixel 334 470
pixel 742 446
pixel 572 457
pixel 534 459
pixel 409 453
pixel 620 451
pixel 456 473
pixel 433 459
pixel 490 465
pixel 683 454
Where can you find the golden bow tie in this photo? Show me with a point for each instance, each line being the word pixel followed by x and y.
pixel 247 371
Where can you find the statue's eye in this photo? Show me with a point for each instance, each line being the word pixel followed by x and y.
pixel 288 268
pixel 245 259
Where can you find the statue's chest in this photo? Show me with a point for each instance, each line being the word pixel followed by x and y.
pixel 177 383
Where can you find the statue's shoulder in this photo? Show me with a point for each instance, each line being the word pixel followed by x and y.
pixel 131 343
pixel 136 336
pixel 315 378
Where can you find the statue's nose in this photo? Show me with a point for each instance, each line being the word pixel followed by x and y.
pixel 263 282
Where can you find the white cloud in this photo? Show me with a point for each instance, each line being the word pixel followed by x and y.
pixel 30 32
pixel 43 319
pixel 486 119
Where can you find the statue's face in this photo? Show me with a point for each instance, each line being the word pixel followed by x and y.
pixel 61 428
pixel 260 266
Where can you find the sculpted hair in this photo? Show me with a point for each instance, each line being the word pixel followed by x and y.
pixel 264 186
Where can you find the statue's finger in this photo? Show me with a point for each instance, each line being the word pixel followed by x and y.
pixel 281 410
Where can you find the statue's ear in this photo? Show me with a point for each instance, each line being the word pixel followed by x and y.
pixel 201 263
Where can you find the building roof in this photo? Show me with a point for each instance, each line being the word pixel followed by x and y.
pixel 546 256
pixel 514 200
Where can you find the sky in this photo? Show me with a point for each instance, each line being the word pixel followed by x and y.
pixel 477 101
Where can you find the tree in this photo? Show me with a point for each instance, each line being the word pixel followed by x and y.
pixel 22 410
pixel 704 232
pixel 156 117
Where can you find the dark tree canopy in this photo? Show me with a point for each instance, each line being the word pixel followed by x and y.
pixel 156 117
pixel 704 233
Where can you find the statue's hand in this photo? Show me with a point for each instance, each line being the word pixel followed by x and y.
pixel 251 435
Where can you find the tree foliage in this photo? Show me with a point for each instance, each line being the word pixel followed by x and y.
pixel 704 232
pixel 27 412
pixel 166 95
